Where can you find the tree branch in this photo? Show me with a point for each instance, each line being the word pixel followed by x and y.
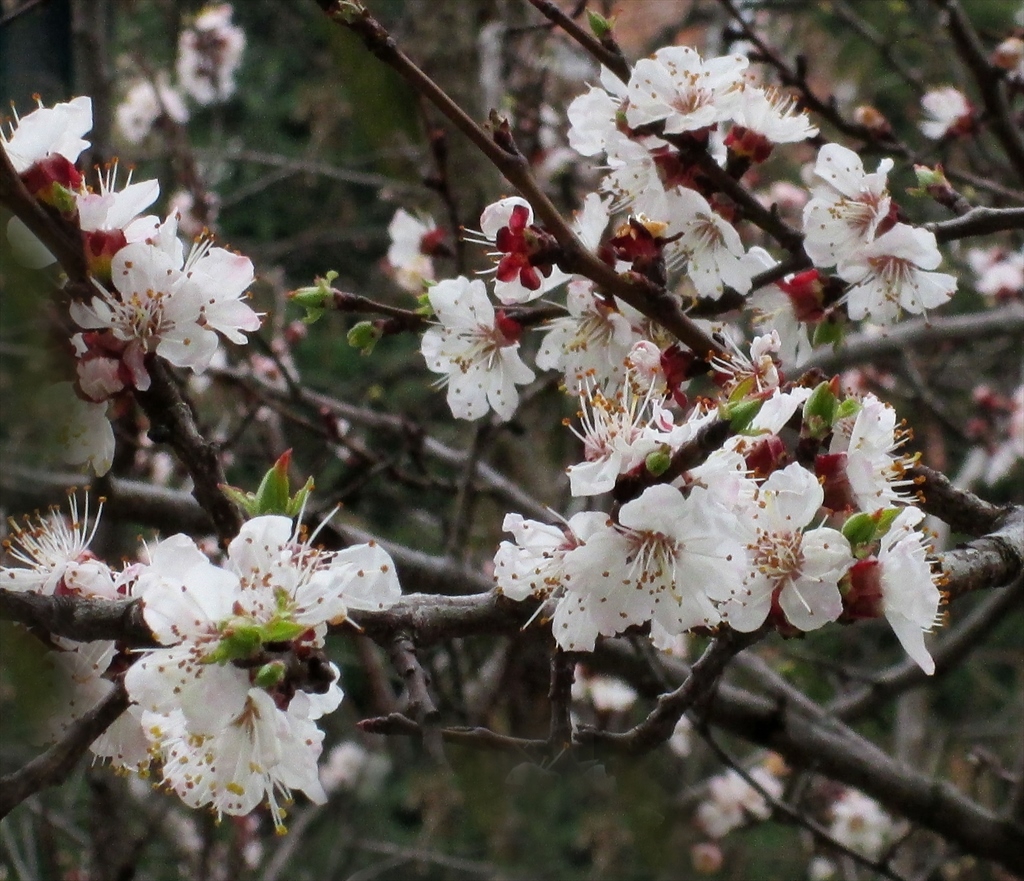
pixel 651 301
pixel 861 347
pixel 54 765
pixel 978 221
pixel 988 80
pixel 657 728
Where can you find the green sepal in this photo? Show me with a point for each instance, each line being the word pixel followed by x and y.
pixel 860 530
pixel 273 495
pixel 601 26
pixel 281 630
pixel 317 298
pixel 270 674
pixel 847 408
pixel 741 414
pixel 742 390
pixel 828 333
pixel 363 336
pixel 820 411
pixel 63 199
pixel 238 641
pixel 863 530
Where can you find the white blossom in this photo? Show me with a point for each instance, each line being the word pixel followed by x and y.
pixel 476 350
pixel 891 274
pixel 687 92
pixel 790 564
pixel 143 104
pixel 860 823
pixel 948 112
pixel 846 208
pixel 209 54
pixel 49 131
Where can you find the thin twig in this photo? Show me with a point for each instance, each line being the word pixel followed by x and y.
pixel 657 728
pixel 54 765
pixel 796 816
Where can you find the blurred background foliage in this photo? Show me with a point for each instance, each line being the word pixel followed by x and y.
pixel 309 160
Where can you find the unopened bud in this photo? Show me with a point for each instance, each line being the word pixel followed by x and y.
pixel 317 298
pixel 1008 55
pixel 270 674
pixel 820 411
pixel 600 25
pixel 274 493
pixel 873 120
pixel 364 336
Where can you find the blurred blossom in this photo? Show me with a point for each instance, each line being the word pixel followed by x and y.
pixel 190 221
pixel 706 857
pixel 209 53
pixel 351 767
pixel 143 104
pixel 948 113
pixel 822 869
pixel 1000 274
pixel 860 823
pixel 733 801
pixel 681 741
pixel 606 693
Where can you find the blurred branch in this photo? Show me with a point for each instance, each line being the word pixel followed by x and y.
pixel 988 80
pixel 955 645
pixel 54 765
pixel 606 54
pixel 796 77
pixel 479 738
pixel 819 832
pixel 172 422
pixel 871 346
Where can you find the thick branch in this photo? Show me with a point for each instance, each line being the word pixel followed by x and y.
pixel 978 221
pixel 961 509
pixel 990 561
pixel 838 752
pixel 80 618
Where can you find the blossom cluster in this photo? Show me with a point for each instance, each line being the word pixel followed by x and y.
pixel 209 55
pixel 749 535
pixel 226 709
pixel 150 298
pixel 658 132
